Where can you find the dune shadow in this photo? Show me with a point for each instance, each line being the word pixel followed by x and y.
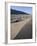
pixel 25 32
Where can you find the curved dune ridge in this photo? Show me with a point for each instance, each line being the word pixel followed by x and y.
pixel 25 32
pixel 22 29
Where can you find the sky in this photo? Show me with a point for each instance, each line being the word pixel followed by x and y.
pixel 23 8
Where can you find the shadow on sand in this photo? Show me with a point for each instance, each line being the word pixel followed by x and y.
pixel 25 32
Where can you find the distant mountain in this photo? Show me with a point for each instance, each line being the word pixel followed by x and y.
pixel 17 12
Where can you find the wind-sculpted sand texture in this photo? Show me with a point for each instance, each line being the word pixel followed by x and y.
pixel 18 29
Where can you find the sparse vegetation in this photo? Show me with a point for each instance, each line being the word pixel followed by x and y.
pixel 17 18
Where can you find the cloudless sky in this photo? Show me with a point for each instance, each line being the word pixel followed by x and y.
pixel 23 8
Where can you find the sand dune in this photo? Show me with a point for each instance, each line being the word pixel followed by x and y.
pixel 16 27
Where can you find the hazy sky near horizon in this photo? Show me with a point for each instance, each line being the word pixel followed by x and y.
pixel 22 8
